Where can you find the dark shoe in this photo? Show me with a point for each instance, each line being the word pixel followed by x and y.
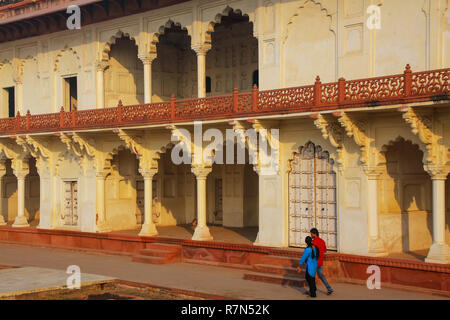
pixel 329 292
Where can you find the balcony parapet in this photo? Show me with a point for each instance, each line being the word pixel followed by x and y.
pixel 403 88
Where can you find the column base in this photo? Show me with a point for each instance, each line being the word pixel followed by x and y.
pixel 103 227
pixel 20 222
pixel 2 221
pixel 439 253
pixel 202 234
pixel 376 248
pixel 148 230
pixel 256 242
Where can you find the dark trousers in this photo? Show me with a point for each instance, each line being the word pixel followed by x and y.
pixel 311 282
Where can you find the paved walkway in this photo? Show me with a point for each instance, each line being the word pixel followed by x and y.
pixel 220 234
pixel 205 279
pixel 33 279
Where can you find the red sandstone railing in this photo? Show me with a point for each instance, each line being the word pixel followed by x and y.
pixel 403 88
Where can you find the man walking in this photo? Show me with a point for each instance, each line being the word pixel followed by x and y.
pixel 320 244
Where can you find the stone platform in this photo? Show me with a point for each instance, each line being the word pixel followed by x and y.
pixel 262 263
pixel 19 281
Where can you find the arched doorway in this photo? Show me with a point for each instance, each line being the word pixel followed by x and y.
pixel 233 58
pixel 124 78
pixel 174 71
pixel 312 196
pixel 406 199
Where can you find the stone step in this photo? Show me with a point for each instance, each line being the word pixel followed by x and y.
pixel 148 259
pixel 294 281
pixel 163 246
pixel 156 259
pixel 279 261
pixel 220 264
pixel 159 253
pixel 277 269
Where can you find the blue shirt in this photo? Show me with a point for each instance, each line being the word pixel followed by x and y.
pixel 311 263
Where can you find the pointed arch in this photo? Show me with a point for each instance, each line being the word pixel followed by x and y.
pixel 162 31
pixel 332 26
pixel 227 12
pixel 112 40
pixel 64 51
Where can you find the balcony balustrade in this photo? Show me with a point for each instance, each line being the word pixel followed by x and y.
pixel 403 88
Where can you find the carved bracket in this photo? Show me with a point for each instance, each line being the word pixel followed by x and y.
pixel 332 131
pixel 424 125
pixel 147 159
pixel 11 150
pixel 86 144
pixel 356 129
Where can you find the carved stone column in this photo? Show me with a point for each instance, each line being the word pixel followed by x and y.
pixel 102 225
pixel 2 173
pixel 148 228
pixel 201 231
pixel 201 69
pixel 272 230
pixel 147 62
pixel 100 80
pixel 46 171
pixel 439 250
pixel 19 95
pixel 430 130
pixel 21 170
pixel 376 246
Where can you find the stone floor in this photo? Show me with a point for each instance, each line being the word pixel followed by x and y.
pixel 221 234
pixel 34 279
pixel 206 279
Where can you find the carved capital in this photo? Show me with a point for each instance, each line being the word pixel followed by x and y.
pixel 437 172
pixel 147 59
pixel 201 49
pixel 148 173
pixel 201 171
pixel 20 168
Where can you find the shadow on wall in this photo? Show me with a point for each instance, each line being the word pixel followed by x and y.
pixel 412 191
pixel 32 192
pixel 8 190
pixel 127 71
pixel 447 213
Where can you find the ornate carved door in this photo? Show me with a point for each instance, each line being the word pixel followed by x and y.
pixel 312 196
pixel 71 203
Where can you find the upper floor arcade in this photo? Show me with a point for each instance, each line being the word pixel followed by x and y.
pixel 195 49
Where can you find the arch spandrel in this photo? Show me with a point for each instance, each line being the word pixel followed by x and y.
pixel 107 39
pixel 210 20
pixel 63 66
pixel 159 29
pixel 329 8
